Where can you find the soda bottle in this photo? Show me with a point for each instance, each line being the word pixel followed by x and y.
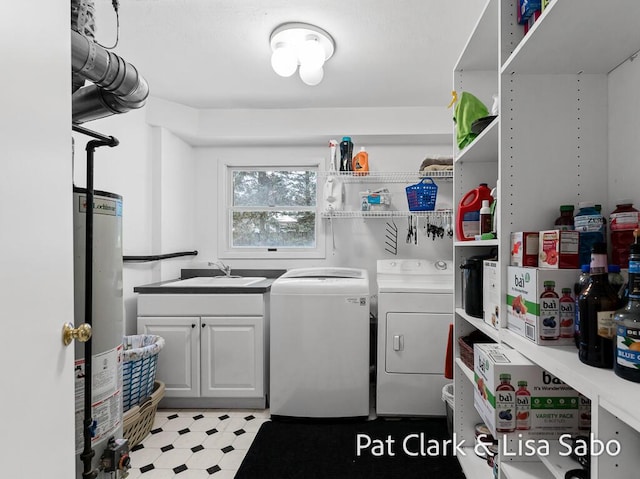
pixel 567 314
pixel 505 405
pixel 598 303
pixel 523 406
pixel 622 223
pixel 616 279
pixel 549 312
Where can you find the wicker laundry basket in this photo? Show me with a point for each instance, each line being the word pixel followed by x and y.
pixel 138 421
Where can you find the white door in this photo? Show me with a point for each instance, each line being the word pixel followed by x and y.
pixel 232 357
pixel 178 364
pixel 36 244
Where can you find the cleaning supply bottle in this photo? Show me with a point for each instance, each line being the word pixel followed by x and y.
pixel 346 153
pixel 590 223
pixel 468 212
pixel 485 218
pixel 360 163
pixel 622 222
pixel 333 160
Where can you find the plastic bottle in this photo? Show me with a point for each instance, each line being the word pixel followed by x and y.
pixel 567 314
pixel 485 218
pixel 360 162
pixel 549 312
pixel 598 303
pixel 565 220
pixel 505 405
pixel 523 407
pixel 346 153
pixel 627 359
pixel 591 225
pixel 622 222
pixel 468 212
pixel 582 282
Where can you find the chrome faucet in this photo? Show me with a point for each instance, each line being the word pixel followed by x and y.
pixel 221 266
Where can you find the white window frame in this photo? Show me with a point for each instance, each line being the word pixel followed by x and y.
pixel 225 208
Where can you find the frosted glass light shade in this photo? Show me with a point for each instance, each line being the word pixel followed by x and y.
pixel 311 76
pixel 311 54
pixel 284 60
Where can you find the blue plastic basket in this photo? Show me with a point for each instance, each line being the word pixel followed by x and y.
pixel 422 196
pixel 139 368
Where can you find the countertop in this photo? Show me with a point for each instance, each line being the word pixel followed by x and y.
pixel 260 287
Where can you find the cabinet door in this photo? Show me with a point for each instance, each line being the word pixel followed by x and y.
pixel 232 356
pixel 179 361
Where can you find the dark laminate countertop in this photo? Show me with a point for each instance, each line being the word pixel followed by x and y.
pixel 260 287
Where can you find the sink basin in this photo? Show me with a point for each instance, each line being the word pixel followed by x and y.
pixel 217 281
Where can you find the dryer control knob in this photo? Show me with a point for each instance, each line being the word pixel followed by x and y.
pixel 441 265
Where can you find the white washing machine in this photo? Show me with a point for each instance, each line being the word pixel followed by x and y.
pixel 319 343
pixel 415 309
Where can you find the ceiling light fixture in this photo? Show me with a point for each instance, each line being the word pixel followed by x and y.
pixel 301 44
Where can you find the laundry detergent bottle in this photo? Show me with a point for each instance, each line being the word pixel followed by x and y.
pixel 468 213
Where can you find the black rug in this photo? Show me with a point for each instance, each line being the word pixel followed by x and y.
pixel 401 449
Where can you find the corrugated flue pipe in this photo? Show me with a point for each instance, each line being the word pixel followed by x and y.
pixel 117 85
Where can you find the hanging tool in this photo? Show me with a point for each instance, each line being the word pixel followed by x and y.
pixel 391 238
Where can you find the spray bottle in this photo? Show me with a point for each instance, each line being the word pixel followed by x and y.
pixel 333 188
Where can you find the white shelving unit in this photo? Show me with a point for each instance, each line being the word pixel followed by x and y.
pixel 549 146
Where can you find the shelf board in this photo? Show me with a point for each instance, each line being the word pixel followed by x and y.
pixel 484 147
pixel 589 36
pixel 493 242
pixel 387 214
pixel 478 324
pixel 525 470
pixel 466 370
pixel 618 396
pixel 556 464
pixel 481 50
pixel 473 466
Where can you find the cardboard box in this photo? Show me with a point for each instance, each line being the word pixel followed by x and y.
pixel 524 248
pixel 550 408
pixel 491 293
pixel 558 249
pixel 525 312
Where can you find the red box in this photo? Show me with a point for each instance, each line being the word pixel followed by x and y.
pixel 524 248
pixel 558 249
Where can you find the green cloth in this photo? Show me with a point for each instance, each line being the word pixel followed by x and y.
pixel 468 109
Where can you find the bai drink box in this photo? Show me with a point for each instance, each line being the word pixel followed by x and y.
pixel 532 311
pixel 517 397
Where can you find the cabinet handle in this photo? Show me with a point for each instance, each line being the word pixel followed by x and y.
pixel 193 325
pixel 203 325
pixel 398 342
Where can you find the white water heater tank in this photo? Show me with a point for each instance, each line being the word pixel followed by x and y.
pixel 107 321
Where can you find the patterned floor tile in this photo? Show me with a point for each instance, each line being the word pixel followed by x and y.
pixel 177 424
pixel 172 458
pixel 205 424
pixel 187 441
pixel 219 440
pixel 160 439
pixel 145 456
pixel 205 459
pixel 232 460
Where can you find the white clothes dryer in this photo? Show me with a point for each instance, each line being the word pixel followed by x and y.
pixel 415 309
pixel 319 347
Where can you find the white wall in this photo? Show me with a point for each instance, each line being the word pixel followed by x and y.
pixel 358 242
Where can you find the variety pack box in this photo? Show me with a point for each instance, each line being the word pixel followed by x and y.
pixel 558 249
pixel 515 396
pixel 491 293
pixel 543 320
pixel 524 248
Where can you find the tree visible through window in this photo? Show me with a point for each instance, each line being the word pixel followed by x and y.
pixel 273 208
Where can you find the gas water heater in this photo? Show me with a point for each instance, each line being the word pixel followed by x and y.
pixel 110 452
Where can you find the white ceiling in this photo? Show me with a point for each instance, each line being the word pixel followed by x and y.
pixel 216 53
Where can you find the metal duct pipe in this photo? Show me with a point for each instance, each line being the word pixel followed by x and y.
pixel 118 87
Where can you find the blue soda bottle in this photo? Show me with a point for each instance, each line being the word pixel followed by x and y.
pixel 590 223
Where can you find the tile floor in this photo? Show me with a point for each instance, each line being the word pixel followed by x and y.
pixel 190 444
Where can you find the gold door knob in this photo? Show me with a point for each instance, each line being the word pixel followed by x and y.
pixel 82 333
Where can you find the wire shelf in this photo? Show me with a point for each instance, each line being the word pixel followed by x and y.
pixel 445 213
pixel 385 176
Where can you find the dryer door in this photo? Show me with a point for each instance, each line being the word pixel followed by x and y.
pixel 416 342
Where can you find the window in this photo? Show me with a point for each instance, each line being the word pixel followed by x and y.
pixel 272 212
